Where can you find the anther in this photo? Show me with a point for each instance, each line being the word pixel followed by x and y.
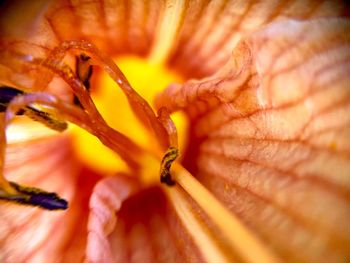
pixel 83 70
pixel 169 157
pixel 34 197
pixel 8 93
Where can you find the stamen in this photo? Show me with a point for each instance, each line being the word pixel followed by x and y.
pixel 67 74
pixel 33 196
pixel 13 192
pixel 162 125
pixel 238 236
pixel 8 93
pixel 138 104
pixel 88 116
pixel 76 115
pixel 113 139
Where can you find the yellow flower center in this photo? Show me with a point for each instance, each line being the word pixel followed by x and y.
pixel 147 79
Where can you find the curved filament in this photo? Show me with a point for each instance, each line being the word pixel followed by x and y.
pixel 118 142
pixel 168 124
pixel 138 104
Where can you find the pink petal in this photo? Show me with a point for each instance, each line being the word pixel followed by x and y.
pixel 127 226
pixel 31 234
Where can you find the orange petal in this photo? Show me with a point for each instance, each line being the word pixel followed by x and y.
pixel 270 135
pixel 141 226
pixel 211 29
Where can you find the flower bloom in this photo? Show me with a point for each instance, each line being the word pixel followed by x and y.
pixel 265 87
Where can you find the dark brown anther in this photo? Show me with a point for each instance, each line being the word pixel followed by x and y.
pixel 169 157
pixel 83 70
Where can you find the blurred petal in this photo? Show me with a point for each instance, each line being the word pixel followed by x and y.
pixel 270 134
pixel 31 234
pixel 211 29
pixel 141 226
pixel 106 200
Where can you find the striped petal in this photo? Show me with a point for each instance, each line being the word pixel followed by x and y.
pixel 270 135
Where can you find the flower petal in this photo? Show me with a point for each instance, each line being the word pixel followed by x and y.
pixel 31 234
pixel 141 226
pixel 211 29
pixel 106 200
pixel 270 135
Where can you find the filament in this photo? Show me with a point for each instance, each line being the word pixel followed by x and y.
pixel 241 239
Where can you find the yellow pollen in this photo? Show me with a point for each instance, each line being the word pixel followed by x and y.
pixel 148 80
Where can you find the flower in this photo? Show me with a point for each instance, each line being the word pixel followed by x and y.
pixel 268 133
